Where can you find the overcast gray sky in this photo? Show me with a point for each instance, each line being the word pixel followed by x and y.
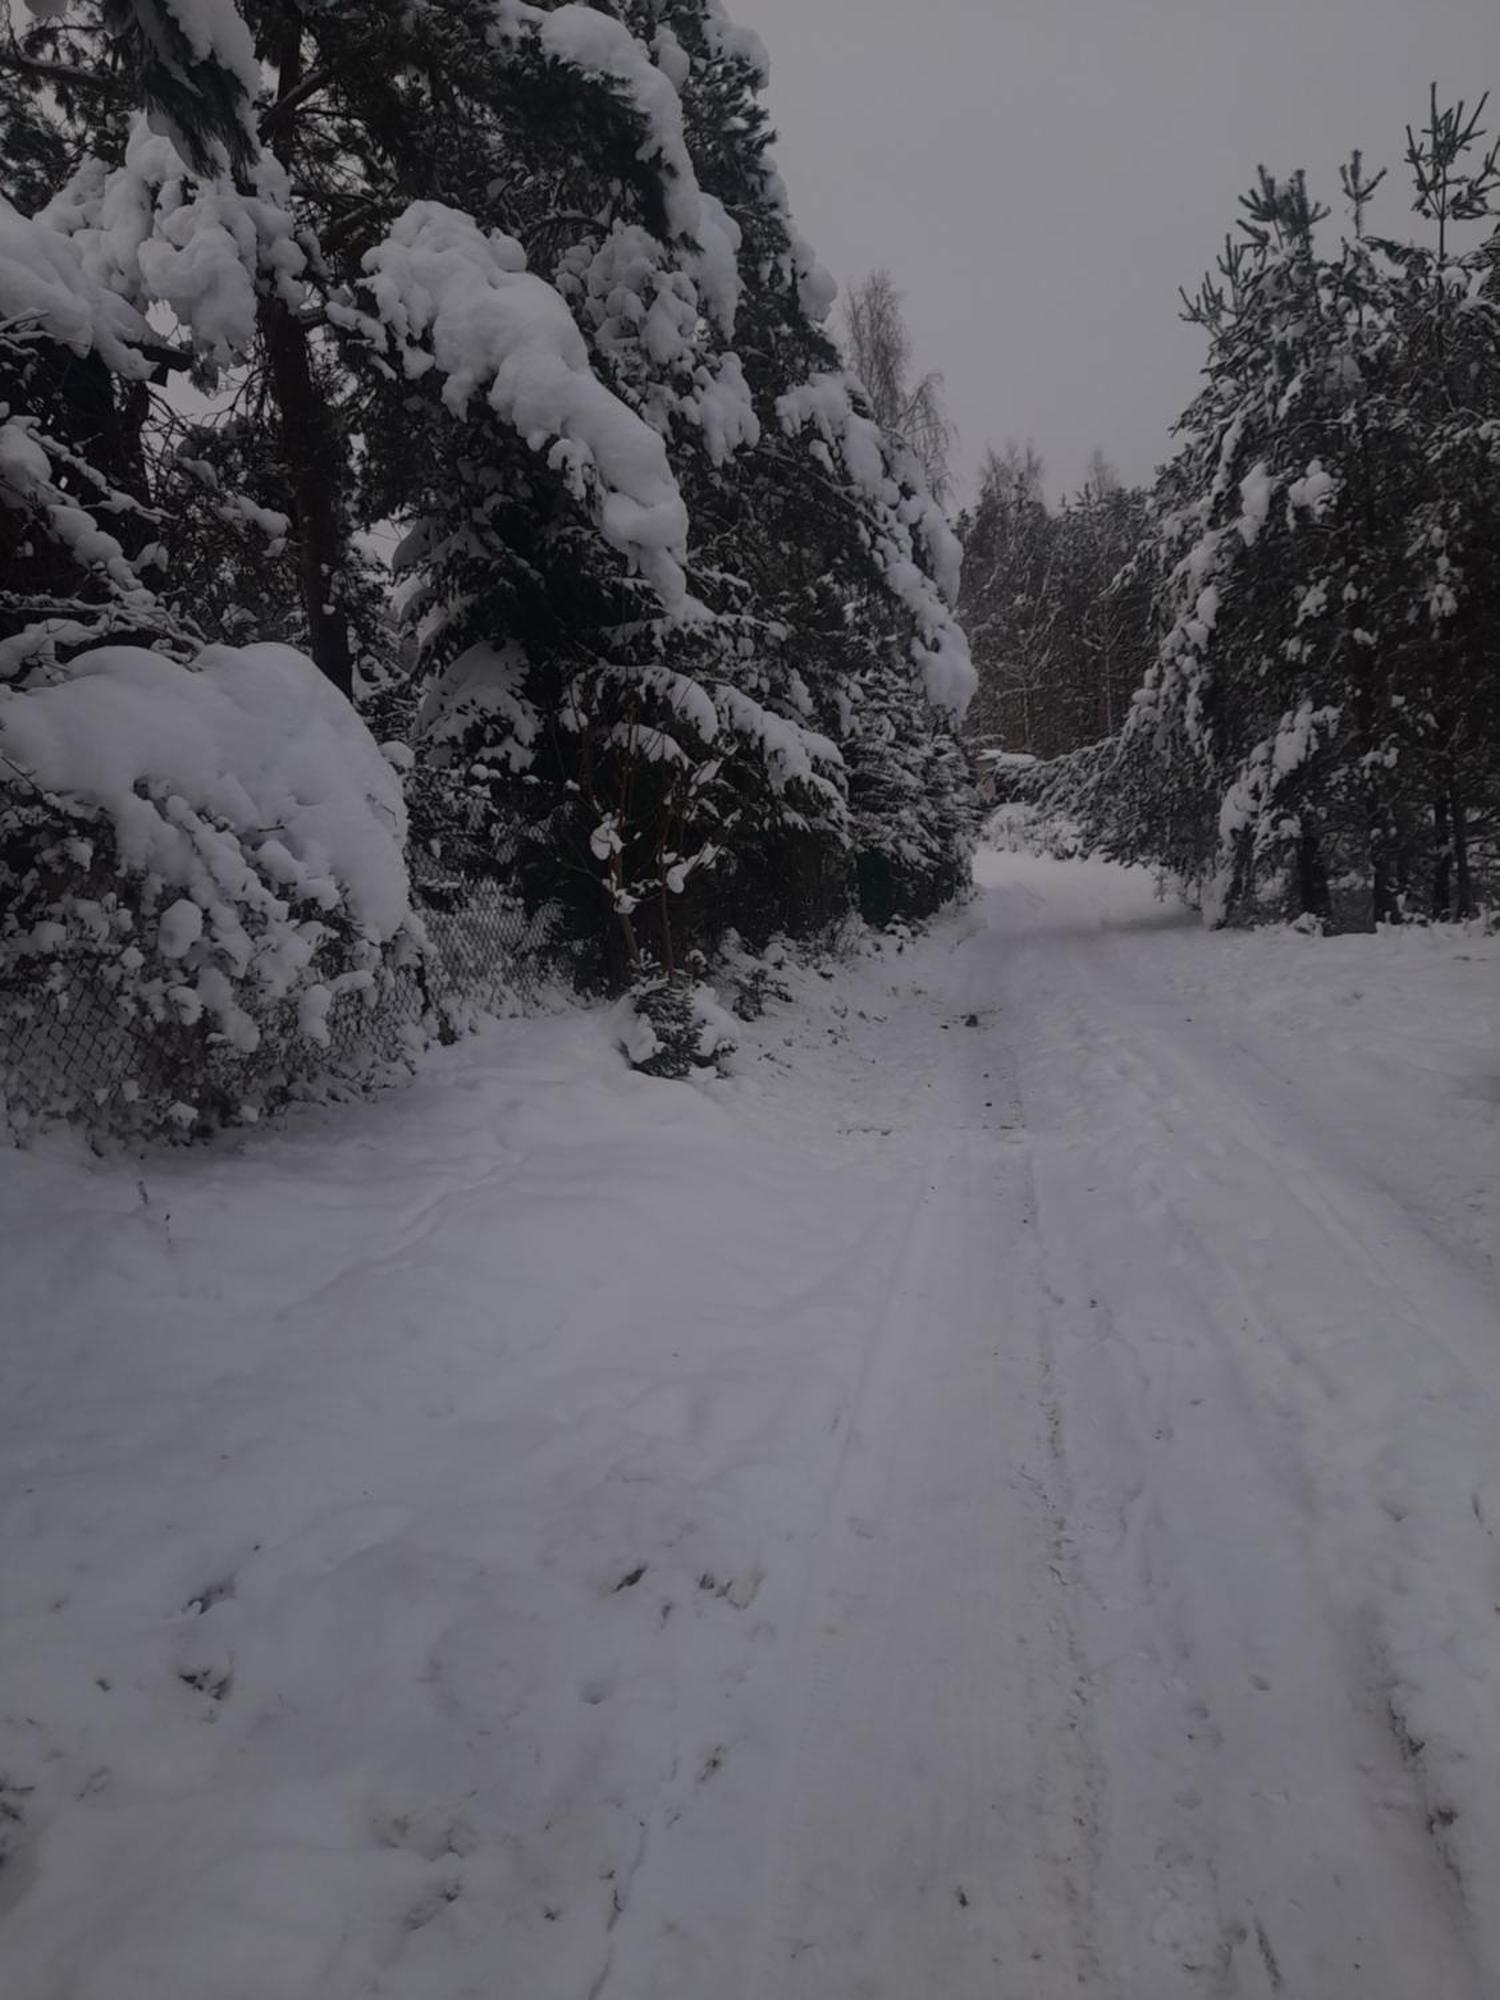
pixel 1041 175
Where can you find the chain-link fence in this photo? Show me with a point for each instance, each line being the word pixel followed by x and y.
pixel 71 1051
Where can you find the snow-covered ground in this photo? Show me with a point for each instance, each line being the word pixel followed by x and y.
pixel 997 1498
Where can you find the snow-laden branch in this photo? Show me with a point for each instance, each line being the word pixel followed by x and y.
pixel 46 283
pixel 151 232
pixel 456 298
pixel 604 49
pixel 918 553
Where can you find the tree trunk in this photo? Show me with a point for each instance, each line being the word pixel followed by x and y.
pixel 1241 881
pixel 1384 907
pixel 1379 832
pixel 311 450
pixel 1312 877
pixel 312 457
pixel 1442 859
pixel 1463 878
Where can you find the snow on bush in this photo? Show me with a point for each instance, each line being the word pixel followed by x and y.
pixel 218 847
pixel 673 1026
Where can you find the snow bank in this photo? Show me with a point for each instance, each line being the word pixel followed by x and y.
pixel 1394 1038
pixel 1276 1159
pixel 473 1545
pixel 411 1517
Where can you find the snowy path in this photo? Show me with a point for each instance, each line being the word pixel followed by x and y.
pixel 999 1501
pixel 1278 1422
pixel 1156 1650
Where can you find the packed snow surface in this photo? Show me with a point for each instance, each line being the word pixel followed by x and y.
pixel 998 1497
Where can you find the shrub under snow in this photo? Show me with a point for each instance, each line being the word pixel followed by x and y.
pixel 673 1026
pixel 218 851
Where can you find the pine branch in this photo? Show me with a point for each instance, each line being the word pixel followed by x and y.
pixel 104 82
pixel 277 114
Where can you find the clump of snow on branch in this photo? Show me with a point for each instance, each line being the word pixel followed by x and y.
pixel 151 232
pixel 457 298
pixel 485 685
pixel 600 47
pixel 214 31
pixel 45 482
pixel 792 753
pixel 726 37
pixel 47 282
pixel 252 735
pixel 917 552
pixel 646 316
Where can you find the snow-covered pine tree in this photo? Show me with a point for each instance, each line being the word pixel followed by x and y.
pixel 1317 732
pixel 175 202
pixel 200 841
pixel 843 553
pixel 676 600
pixel 79 541
pixel 554 352
pixel 654 695
pixel 1308 653
pixel 1223 692
pixel 1444 313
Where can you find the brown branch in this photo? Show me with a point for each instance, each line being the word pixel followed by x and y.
pixel 277 114
pixel 87 79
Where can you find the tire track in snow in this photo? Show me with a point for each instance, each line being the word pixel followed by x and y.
pixel 933 1829
pixel 1266 1832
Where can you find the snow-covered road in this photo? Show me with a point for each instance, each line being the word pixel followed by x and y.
pixel 1156 1644
pixel 998 1500
pixel 1277 1416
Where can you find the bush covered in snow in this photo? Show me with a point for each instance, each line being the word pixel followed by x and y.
pixel 673 1026
pixel 216 851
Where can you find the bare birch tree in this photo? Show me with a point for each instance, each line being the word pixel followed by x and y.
pixel 880 353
